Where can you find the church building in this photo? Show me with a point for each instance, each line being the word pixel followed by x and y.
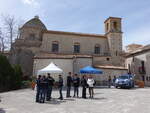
pixel 36 47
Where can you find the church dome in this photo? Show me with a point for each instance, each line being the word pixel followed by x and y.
pixel 35 22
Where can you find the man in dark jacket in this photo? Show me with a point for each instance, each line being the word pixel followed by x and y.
pixel 60 86
pixel 43 90
pixel 50 81
pixel 84 86
pixel 69 82
pixel 38 87
pixel 109 82
pixel 76 83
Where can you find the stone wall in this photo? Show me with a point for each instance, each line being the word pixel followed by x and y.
pixel 29 33
pixel 135 63
pixel 80 63
pixel 66 43
pixel 67 65
pixel 102 60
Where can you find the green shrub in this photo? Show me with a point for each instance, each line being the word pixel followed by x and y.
pixel 10 77
pixel 26 84
pixel 17 77
pixel 6 74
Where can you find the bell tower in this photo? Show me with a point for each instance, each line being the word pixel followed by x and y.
pixel 113 32
pixel 113 24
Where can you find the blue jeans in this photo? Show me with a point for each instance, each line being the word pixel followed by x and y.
pixel 43 93
pixel 37 94
pixel 76 91
pixel 109 84
pixel 68 91
pixel 60 92
pixel 49 92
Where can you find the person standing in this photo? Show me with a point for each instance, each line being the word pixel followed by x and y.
pixel 69 82
pixel 114 79
pixel 90 83
pixel 109 81
pixel 44 87
pixel 50 81
pixel 60 86
pixel 84 86
pixel 38 88
pixel 76 83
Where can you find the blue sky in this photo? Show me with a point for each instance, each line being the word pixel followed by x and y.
pixel 86 16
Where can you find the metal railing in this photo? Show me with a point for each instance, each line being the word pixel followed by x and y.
pixel 81 53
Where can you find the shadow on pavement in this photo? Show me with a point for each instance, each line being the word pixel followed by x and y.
pixel 101 87
pixel 2 110
pixel 102 98
pixel 55 101
pixel 95 98
pixel 135 88
pixel 98 93
pixel 69 99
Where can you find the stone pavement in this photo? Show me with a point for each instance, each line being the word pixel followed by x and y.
pixel 105 101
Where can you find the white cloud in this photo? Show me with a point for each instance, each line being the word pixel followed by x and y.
pixel 31 2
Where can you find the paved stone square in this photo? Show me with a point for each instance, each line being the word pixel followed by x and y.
pixel 105 101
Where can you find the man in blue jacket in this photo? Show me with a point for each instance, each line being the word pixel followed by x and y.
pixel 38 87
pixel 43 90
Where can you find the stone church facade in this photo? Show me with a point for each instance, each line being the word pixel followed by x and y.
pixel 36 47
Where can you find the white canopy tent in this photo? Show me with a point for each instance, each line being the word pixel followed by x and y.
pixel 51 68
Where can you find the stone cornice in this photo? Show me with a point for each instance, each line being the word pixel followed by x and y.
pixel 112 18
pixel 74 33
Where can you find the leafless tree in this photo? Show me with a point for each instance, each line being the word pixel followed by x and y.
pixel 3 41
pixel 20 23
pixel 2 47
pixel 10 26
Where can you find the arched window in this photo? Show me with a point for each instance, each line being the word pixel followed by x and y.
pixel 116 53
pixel 107 26
pixel 32 36
pixel 115 25
pixel 76 47
pixel 129 68
pixel 97 49
pixel 55 46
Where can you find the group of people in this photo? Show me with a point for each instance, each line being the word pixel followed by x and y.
pixel 111 81
pixel 75 81
pixel 44 86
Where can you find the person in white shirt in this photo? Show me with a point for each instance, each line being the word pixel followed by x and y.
pixel 91 83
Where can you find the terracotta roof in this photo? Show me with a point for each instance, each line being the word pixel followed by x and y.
pixel 110 67
pixel 74 33
pixel 139 50
pixel 132 45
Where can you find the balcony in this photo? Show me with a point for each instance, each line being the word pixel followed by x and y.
pixel 81 53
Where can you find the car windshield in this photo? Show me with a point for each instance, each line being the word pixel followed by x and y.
pixel 123 77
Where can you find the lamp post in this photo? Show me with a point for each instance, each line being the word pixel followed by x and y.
pixel 34 67
pixel 74 61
